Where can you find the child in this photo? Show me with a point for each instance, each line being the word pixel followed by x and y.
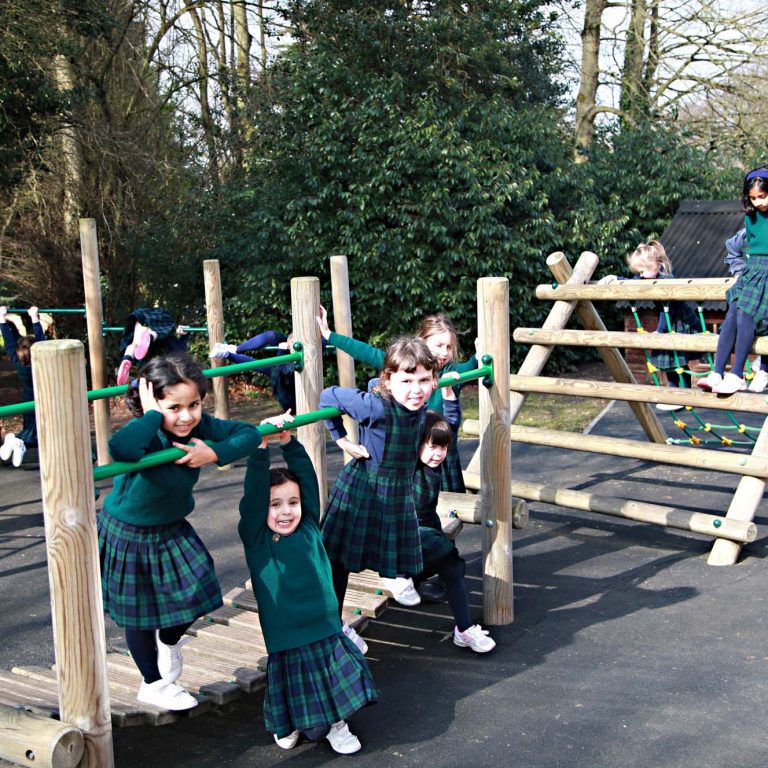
pixel 148 332
pixel 157 576
pixel 281 377
pixel 316 676
pixel 748 298
pixel 15 445
pixel 438 552
pixel 735 261
pixel 440 336
pixel 650 261
pixel 370 520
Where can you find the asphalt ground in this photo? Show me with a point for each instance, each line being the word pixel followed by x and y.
pixel 627 649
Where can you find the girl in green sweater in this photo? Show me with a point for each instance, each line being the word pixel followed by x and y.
pixel 157 576
pixel 316 675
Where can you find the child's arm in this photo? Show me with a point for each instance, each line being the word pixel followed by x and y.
pixel 358 350
pixel 131 443
pixel 299 463
pixel 353 402
pixel 254 505
pixel 37 328
pixel 261 340
pixel 232 439
pixel 734 247
pixel 9 338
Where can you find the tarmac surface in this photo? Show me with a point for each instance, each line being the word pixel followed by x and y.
pixel 627 649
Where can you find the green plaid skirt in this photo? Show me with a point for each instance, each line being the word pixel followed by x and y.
pixel 316 684
pixel 452 475
pixel 155 576
pixel 751 290
pixel 435 545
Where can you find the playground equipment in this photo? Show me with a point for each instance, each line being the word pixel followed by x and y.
pixel 94 690
pixel 570 294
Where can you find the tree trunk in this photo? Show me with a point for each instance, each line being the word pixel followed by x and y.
pixel 589 76
pixel 634 100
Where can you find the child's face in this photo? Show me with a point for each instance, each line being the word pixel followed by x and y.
pixel 284 508
pixel 441 346
pixel 759 199
pixel 643 267
pixel 432 455
pixel 182 408
pixel 411 390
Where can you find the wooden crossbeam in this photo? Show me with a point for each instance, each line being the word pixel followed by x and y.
pixel 700 289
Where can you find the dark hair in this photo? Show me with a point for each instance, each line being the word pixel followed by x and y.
pixel 760 183
pixel 405 354
pixel 23 349
pixel 437 430
pixel 282 475
pixel 163 372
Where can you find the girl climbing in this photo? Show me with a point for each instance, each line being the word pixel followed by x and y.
pixel 157 576
pixel 316 675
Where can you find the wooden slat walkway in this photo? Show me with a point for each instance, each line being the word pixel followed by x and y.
pixel 224 657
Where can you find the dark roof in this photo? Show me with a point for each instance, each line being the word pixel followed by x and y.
pixel 695 238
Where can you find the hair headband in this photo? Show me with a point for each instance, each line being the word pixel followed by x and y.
pixel 758 173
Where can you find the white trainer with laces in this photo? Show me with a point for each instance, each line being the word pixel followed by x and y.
pixel 166 695
pixel 170 662
pixel 730 384
pixel 220 349
pixel 289 741
pixel 355 638
pixel 474 637
pixel 342 739
pixel 19 449
pixel 6 449
pixel 709 382
pixel 402 590
pixel 759 381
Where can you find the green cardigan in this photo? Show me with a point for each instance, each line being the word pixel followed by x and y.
pixel 757 234
pixel 291 575
pixel 365 353
pixel 162 495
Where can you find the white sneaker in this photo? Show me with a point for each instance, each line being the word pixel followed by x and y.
pixel 355 638
pixel 220 349
pixel 19 449
pixel 170 662
pixel 402 590
pixel 731 383
pixel 669 407
pixel 709 382
pixel 474 637
pixel 6 449
pixel 289 741
pixel 342 739
pixel 166 695
pixel 759 381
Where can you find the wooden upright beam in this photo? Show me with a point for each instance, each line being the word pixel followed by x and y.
pixel 66 474
pixel 214 308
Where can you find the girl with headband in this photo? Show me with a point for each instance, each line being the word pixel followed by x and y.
pixel 748 298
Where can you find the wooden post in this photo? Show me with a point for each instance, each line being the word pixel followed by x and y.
pixel 744 504
pixel 495 452
pixel 29 739
pixel 66 474
pixel 342 322
pixel 558 318
pixel 214 307
pixel 89 249
pixel 305 306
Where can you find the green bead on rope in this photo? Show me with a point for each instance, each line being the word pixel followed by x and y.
pixel 717 523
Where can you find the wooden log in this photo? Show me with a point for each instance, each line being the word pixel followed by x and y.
pixel 743 506
pixel 668 517
pixel 699 289
pixel 495 452
pixel 89 250
pixel 682 342
pixel 214 310
pixel 696 458
pixel 558 318
pixel 467 508
pixel 305 307
pixel 641 393
pixel 342 322
pixel 74 577
pixel 29 739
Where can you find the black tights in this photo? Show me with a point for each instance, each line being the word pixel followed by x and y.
pixel 736 334
pixel 451 570
pixel 141 644
pixel 340 576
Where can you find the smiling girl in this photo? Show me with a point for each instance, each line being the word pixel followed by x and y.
pixel 157 576
pixel 316 676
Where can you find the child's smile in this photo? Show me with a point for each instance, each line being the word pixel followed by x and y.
pixel 182 409
pixel 284 513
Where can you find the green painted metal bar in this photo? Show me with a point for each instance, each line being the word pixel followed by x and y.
pixel 120 328
pixel 51 311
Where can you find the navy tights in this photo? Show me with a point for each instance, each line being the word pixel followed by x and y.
pixel 451 570
pixel 736 334
pixel 141 644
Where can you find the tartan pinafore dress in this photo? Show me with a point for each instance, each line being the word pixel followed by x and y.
pixel 370 520
pixel 435 545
